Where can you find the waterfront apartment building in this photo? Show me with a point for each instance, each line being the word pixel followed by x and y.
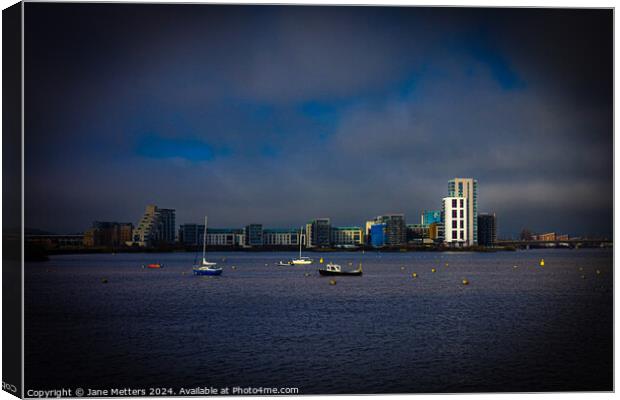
pixel 467 188
pixel 223 237
pixel 318 233
pixel 281 237
pixel 193 234
pixel 347 236
pixel 487 229
pixel 253 235
pixel 108 234
pixel 456 229
pixel 429 217
pixel 156 226
pixel 395 229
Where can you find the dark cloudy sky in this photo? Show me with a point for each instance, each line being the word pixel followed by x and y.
pixel 277 115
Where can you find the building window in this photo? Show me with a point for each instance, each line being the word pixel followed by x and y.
pixel 453 234
pixel 453 203
pixel 461 213
pixel 462 224
pixel 454 224
pixel 453 213
pixel 461 201
pixel 462 235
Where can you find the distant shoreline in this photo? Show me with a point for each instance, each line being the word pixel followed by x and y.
pixel 36 253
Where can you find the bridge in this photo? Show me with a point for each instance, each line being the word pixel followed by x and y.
pixel 573 243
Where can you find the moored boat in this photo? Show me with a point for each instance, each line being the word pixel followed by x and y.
pixel 301 260
pixel 206 267
pixel 335 269
pixel 153 266
pixel 284 264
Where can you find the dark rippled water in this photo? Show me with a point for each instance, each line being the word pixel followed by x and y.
pixel 511 329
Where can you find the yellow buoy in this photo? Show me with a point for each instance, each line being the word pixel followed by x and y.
pixel 414 275
pixel 542 262
pixel 433 270
pixel 465 282
pixel 321 260
pixel 332 282
pixel 446 264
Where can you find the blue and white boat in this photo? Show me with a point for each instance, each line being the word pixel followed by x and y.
pixel 206 267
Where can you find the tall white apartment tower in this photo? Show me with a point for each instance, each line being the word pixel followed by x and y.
pixel 467 188
pixel 456 218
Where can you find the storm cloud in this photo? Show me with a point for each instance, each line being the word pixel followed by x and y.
pixel 279 114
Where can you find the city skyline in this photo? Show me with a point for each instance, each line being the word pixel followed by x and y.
pixel 281 115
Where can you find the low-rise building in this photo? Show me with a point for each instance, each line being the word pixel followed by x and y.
pixel 281 237
pixel 54 241
pixel 347 236
pixel 223 237
pixel 416 233
pixel 108 234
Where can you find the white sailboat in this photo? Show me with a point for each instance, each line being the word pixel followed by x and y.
pixel 301 260
pixel 206 267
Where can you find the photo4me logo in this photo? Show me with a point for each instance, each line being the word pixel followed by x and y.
pixel 8 387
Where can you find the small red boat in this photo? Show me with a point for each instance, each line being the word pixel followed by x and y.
pixel 153 266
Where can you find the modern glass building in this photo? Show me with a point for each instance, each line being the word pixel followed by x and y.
pixel 377 235
pixel 191 234
pixel 430 216
pixel 318 233
pixel 395 229
pixel 254 235
pixel 487 229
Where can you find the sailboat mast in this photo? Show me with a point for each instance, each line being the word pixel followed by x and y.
pixel 204 241
pixel 301 237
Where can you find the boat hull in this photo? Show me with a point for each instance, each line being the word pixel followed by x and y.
pixel 211 272
pixel 343 273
